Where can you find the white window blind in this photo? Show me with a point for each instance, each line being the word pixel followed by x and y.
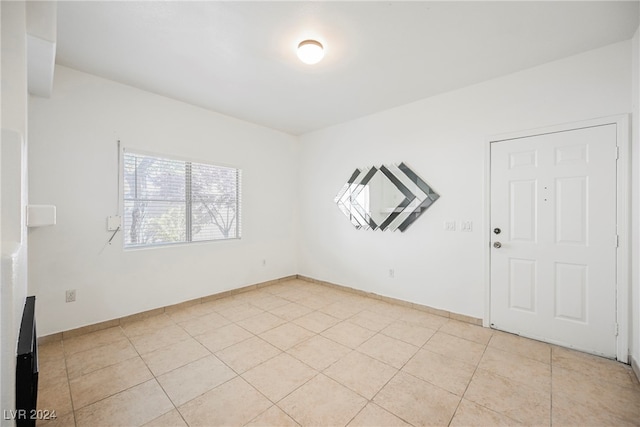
pixel 175 201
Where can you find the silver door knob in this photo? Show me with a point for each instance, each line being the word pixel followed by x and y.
pixel 497 245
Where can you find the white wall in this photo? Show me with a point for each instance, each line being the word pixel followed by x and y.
pixel 634 343
pixel 73 165
pixel 13 198
pixel 443 139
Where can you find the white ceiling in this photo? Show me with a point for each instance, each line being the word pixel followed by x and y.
pixel 238 58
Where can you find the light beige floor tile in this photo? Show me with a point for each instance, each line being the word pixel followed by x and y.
pixel 449 374
pixel 87 361
pixel 372 416
pixel 269 302
pixel 223 337
pixel 597 394
pixel 273 416
pixel 240 312
pixel 247 354
pixel 526 404
pixel 50 351
pixel 286 336
pixel 470 414
pixel 426 320
pixel 361 373
pixel 348 334
pixel 569 412
pixel 170 419
pixel 316 321
pixel 261 322
pixel 467 331
pixel 159 338
pixel 206 323
pixel 318 352
pixel 408 332
pixel 370 320
pixel 174 356
pixel 315 302
pixel 326 291
pixel 517 368
pixel 224 303
pixel 192 380
pixel 456 348
pixel 66 420
pixel 56 398
pixel 107 381
pixel 131 407
pixel 416 401
pixel 295 294
pixel 92 340
pixel 187 313
pixel 278 288
pixel 393 311
pixel 290 311
pixel 52 372
pixel 341 310
pixel 523 346
pixel 509 386
pixel 593 366
pixel 146 326
pixel 249 297
pixel 388 350
pixel 233 403
pixel 322 402
pixel 279 376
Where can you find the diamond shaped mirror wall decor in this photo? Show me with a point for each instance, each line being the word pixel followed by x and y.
pixel 385 198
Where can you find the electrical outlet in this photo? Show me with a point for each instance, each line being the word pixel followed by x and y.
pixel 466 226
pixel 70 295
pixel 450 225
pixel 392 273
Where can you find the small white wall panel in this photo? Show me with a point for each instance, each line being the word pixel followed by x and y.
pixel 41 215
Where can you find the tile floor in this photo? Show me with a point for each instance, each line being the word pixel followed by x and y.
pixel 297 353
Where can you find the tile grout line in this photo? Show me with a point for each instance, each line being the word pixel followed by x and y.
pixel 475 369
pixel 66 369
pixel 398 370
pixel 551 350
pixel 159 385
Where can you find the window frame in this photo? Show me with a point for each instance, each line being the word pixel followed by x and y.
pixel 188 203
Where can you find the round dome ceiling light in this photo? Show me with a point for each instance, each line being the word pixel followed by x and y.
pixel 310 51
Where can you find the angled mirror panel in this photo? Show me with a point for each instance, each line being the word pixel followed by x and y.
pixel 385 198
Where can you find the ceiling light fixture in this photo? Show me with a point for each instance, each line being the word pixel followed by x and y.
pixel 310 51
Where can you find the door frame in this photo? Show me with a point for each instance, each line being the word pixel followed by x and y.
pixel 623 208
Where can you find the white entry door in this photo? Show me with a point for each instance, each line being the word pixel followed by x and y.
pixel 553 237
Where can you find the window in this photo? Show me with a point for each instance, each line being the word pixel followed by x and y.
pixel 174 201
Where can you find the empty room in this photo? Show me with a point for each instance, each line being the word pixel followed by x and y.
pixel 323 213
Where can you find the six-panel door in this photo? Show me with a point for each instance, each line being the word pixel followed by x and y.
pixel 553 278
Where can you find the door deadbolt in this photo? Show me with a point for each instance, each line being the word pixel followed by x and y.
pixel 497 230
pixel 497 245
